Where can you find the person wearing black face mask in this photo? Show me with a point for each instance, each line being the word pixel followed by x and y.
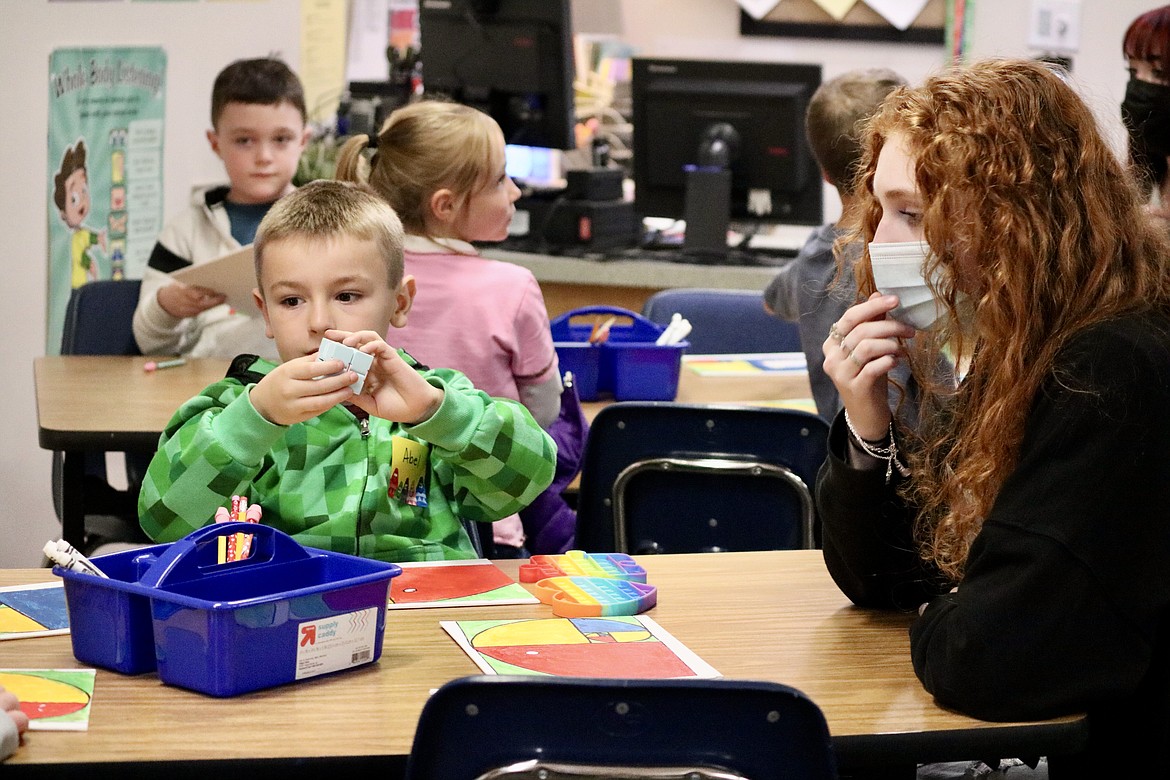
pixel 1146 107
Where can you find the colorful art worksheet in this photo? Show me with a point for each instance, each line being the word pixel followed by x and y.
pixel 476 583
pixel 747 365
pixel 53 699
pixel 634 647
pixel 33 610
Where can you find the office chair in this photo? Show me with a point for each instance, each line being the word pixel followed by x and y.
pixel 675 478
pixel 518 727
pixel 98 321
pixel 724 321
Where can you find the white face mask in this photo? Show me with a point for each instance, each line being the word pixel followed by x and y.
pixel 897 270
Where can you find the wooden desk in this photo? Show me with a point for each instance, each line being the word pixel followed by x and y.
pixel 110 404
pixel 762 615
pixel 694 388
pixel 107 404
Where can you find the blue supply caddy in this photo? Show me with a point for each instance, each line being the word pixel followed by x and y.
pixel 628 364
pixel 283 614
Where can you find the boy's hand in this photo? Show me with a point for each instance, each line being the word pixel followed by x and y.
pixel 301 389
pixel 393 390
pixel 182 300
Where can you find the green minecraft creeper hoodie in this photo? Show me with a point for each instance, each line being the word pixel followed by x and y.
pixel 342 483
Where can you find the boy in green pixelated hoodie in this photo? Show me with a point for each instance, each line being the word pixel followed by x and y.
pixel 387 473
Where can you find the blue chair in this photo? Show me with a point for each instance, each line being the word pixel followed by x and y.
pixel 514 727
pixel 98 321
pixel 724 321
pixel 680 478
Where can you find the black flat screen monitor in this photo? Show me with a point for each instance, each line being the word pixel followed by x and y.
pixel 512 59
pixel 746 117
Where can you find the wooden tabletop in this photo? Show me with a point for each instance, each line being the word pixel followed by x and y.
pixel 111 402
pixel 764 615
pixel 89 402
pixel 695 388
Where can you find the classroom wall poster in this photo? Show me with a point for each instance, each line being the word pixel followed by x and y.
pixel 104 183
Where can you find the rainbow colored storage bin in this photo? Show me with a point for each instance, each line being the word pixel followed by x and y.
pixel 628 364
pixel 285 613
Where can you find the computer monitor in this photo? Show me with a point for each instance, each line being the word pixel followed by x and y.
pixel 510 58
pixel 720 141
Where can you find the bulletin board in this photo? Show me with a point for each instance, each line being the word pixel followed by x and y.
pixel 806 19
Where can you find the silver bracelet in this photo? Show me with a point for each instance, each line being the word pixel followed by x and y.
pixel 888 454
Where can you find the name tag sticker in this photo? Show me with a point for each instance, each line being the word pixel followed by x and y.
pixel 408 471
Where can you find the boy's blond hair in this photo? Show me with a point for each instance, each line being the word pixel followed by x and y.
pixel 324 209
pixel 836 115
pixel 422 148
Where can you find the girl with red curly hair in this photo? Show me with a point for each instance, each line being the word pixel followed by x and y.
pixel 1027 518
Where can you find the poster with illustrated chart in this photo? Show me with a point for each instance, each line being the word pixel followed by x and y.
pixel 475 583
pixel 103 187
pixel 633 647
pixel 53 699
pixel 33 610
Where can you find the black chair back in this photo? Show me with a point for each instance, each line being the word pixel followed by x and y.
pixel 679 478
pixel 518 727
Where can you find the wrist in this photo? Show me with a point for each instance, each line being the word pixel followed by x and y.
pixel 883 449
pixel 259 398
pixel 868 431
pixel 876 441
pixel 163 298
pixel 436 402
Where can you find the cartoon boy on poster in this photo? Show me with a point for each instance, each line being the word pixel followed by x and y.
pixel 71 194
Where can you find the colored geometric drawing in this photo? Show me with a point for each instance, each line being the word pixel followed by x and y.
pixel 623 647
pixel 33 610
pixel 53 699
pixel 455 583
